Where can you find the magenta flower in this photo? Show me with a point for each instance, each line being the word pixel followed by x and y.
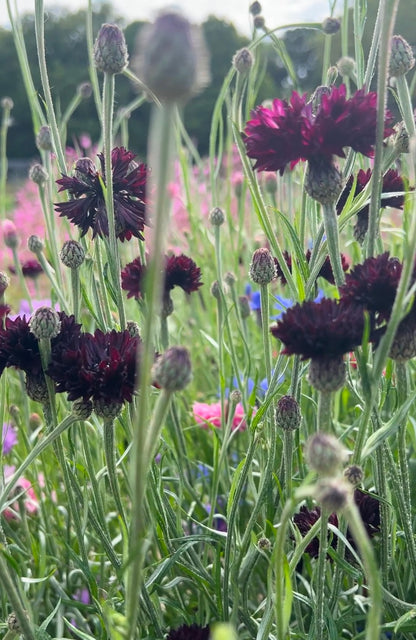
pixel 87 208
pixel 206 414
pixel 294 130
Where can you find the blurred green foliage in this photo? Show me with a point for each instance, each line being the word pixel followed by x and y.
pixel 67 64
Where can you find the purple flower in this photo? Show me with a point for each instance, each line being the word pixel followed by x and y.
pixel 87 207
pixel 9 437
pixel 291 131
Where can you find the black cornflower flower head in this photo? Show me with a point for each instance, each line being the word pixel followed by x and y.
pixel 100 366
pixel 291 131
pixel 325 329
pixel 180 271
pixel 325 271
pixel 368 506
pixel 392 183
pixel 87 207
pixel 189 632
pixel 31 268
pixel 373 285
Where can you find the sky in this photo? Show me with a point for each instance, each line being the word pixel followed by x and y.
pixel 276 12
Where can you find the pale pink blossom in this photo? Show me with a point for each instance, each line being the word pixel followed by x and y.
pixel 23 488
pixel 211 413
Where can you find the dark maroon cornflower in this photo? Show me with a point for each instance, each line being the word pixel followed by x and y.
pixel 373 285
pixel 132 277
pixel 189 632
pixel 180 271
pixel 392 183
pixel 100 366
pixel 320 329
pixel 87 208
pixel 368 506
pixel 19 347
pixel 325 271
pixel 30 268
pixel 289 132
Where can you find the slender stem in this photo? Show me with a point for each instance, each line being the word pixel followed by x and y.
pixel 40 44
pixel 111 465
pixel 324 411
pixel 388 9
pixel 320 628
pixel 5 122
pixel 113 254
pixel 265 315
pixel 405 103
pixel 332 238
pixel 14 599
pixel 161 145
pixel 365 548
pixel 288 458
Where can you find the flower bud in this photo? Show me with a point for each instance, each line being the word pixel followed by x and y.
pixel 216 290
pixel 255 8
pixel 172 370
pixel 110 50
pixel 327 374
pixel 13 623
pixel 82 409
pixel 85 90
pixel 44 138
pixel 173 59
pixel 235 396
pixel 36 388
pixel 4 282
pixel 402 58
pixel 264 544
pixel 45 323
pixel 10 236
pixel 354 474
pixel 287 414
pixel 346 66
pixel 216 217
pixel 38 174
pixel 35 421
pixel 244 306
pixel 7 103
pixel 259 22
pixel 331 76
pixel 243 60
pixel 109 410
pixel 262 268
pixel 333 494
pixel 133 328
pixel 401 139
pixel 325 454
pixel 323 182
pixel 331 26
pixel 35 244
pixel 72 254
pixel 230 279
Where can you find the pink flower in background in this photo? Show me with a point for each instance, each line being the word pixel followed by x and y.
pixel 204 413
pixel 9 437
pixel 24 490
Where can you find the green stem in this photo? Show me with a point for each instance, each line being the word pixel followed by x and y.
pixel 332 238
pixel 265 315
pixel 40 44
pixel 405 103
pixel 3 159
pixel 111 465
pixel 324 411
pixel 388 9
pixel 365 548
pixel 288 459
pixel 76 292
pixel 161 145
pixel 14 599
pixel 320 627
pixel 113 254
